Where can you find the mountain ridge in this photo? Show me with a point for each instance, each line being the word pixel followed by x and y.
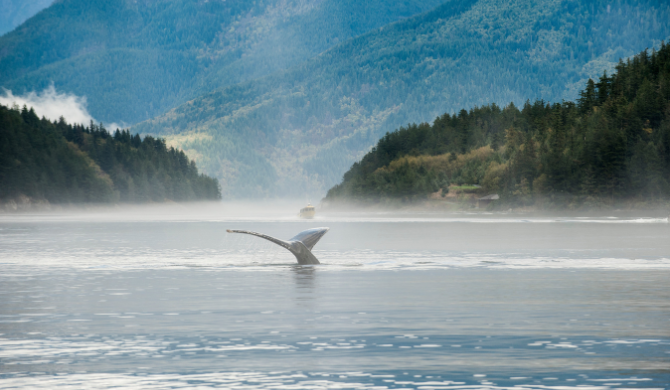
pixel 136 60
pixel 16 12
pixel 296 131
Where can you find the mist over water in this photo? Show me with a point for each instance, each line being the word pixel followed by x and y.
pixel 163 297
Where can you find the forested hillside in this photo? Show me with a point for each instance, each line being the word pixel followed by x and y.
pixel 62 163
pixel 611 145
pixel 134 60
pixel 296 132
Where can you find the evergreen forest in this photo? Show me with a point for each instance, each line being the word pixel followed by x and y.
pixel 57 162
pixel 611 145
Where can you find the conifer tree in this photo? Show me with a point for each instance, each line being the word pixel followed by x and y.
pixel 587 97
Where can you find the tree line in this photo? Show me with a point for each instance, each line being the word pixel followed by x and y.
pixel 611 145
pixel 71 163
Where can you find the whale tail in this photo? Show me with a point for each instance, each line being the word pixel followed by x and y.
pixel 300 245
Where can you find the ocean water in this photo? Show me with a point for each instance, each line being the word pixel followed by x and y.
pixel 163 297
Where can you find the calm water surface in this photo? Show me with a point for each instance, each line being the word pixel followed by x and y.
pixel 164 298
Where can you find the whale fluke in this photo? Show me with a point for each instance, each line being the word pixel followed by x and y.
pixel 300 245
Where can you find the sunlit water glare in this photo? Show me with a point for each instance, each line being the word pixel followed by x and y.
pixel 166 298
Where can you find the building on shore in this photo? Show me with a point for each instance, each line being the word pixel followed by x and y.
pixel 486 200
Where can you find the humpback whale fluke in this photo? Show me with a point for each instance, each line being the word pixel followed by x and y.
pixel 300 245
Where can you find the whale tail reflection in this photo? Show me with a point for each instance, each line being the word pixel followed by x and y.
pixel 300 245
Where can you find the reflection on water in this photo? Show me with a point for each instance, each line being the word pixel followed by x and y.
pixel 317 380
pixel 399 302
pixel 304 277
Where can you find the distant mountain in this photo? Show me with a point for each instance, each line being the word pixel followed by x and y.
pixel 15 12
pixel 296 132
pixel 133 60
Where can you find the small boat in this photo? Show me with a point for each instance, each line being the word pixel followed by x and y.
pixel 307 212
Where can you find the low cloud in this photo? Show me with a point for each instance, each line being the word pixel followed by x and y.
pixel 52 105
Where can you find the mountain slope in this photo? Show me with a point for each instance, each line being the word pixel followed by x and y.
pixel 297 131
pixel 134 60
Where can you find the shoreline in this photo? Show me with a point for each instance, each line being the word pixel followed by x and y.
pixel 443 206
pixel 259 209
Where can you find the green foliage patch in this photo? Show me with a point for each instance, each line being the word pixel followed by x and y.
pixel 612 144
